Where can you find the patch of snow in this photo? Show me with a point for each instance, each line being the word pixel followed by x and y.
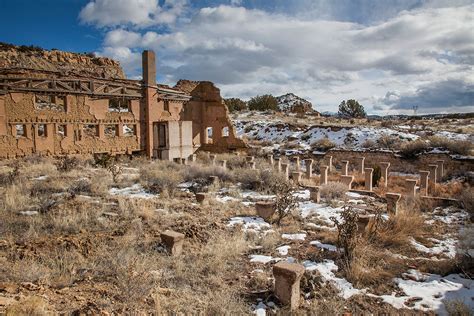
pixel 283 250
pixel 445 247
pixel 41 178
pixel 324 212
pixel 431 290
pixel 248 223
pixel 327 269
pixel 135 191
pixel 262 259
pixel 318 244
pixel 301 236
pixel 29 213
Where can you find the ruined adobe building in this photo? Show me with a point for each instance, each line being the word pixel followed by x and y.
pixel 92 108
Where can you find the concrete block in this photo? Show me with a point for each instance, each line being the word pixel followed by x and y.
pixel 368 178
pixel 265 209
pixel 384 172
pixel 202 198
pixel 271 160
pixel 315 194
pixel 347 180
pixel 309 167
pixel 213 159
pixel 392 202
pixel 411 187
pixel 173 241
pixel 361 164
pixel 297 163
pixel 277 164
pixel 424 175
pixel 287 283
pixel 345 167
pixel 223 163
pixel 330 166
pixel 296 176
pixel 440 164
pixel 433 178
pixel 362 222
pixel 324 175
pixel 285 169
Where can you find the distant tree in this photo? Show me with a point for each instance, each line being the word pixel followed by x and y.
pixel 351 108
pixel 263 103
pixel 235 104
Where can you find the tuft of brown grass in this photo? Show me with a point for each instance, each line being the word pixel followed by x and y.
pixel 32 305
pixel 395 233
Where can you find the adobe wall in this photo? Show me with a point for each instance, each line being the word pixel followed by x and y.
pixel 398 164
pixel 207 110
pixel 80 110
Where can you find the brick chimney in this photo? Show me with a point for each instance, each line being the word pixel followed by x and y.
pixel 149 67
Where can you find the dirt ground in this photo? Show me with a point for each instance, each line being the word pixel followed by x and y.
pixel 83 239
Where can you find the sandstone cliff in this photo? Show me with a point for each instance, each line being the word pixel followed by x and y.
pixel 31 57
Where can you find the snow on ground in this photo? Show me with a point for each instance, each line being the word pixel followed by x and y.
pixel 418 290
pixel 319 244
pixel 135 191
pixel 430 290
pixel 327 269
pixel 262 259
pixel 294 236
pixel 445 247
pixel 448 215
pixel 347 137
pixel 283 250
pixel 250 223
pixel 322 211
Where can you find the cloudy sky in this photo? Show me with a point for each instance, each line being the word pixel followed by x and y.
pixel 390 55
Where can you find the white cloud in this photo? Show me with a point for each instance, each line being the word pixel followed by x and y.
pixel 248 52
pixel 138 13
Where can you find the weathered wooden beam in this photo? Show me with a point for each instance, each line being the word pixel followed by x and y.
pixel 64 85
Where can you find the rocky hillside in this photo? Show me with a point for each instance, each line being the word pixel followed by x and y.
pixel 293 103
pixel 32 57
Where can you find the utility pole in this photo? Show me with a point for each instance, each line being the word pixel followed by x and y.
pixel 415 109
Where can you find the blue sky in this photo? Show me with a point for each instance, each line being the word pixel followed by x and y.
pixel 388 54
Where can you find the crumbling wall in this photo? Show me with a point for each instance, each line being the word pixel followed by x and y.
pixel 52 132
pixel 212 128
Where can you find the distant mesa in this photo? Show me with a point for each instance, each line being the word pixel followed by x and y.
pixel 36 58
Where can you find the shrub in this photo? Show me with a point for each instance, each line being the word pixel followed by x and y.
pixel 235 104
pixel 467 200
pixel 263 103
pixel 369 143
pixel 389 142
pixel 161 177
pixel 347 232
pixel 460 147
pixel 285 201
pixel 323 144
pixel 103 160
pixel 411 150
pixel 66 164
pixel 202 173
pixel 333 191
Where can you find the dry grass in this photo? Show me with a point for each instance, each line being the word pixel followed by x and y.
pixel 395 233
pixel 373 267
pixel 161 177
pixel 334 192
